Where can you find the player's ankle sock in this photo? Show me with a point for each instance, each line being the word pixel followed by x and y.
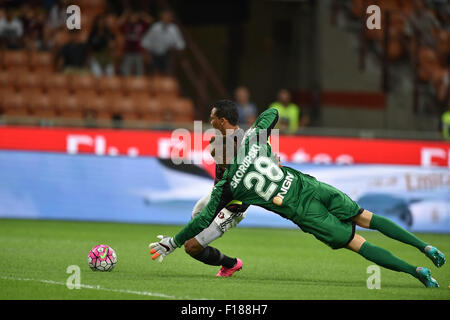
pixel 214 257
pixel 394 231
pixel 385 259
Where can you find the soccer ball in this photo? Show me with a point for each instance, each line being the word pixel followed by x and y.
pixel 102 258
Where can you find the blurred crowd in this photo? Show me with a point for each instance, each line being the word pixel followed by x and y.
pixel 117 66
pixel 291 117
pixel 419 32
pixel 132 42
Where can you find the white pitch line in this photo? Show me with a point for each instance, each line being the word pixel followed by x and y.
pixel 86 286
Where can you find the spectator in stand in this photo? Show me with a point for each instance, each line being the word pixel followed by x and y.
pixel 72 56
pixel 247 110
pixel 422 25
pixel 55 20
pixel 288 112
pixel 101 45
pixel 161 40
pixel 441 83
pixel 133 26
pixel 445 122
pixel 33 21
pixel 48 4
pixel 57 15
pixel 11 30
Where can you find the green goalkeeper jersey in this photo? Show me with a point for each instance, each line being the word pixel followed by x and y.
pixel 255 178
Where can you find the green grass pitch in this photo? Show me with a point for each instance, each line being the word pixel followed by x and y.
pixel 284 264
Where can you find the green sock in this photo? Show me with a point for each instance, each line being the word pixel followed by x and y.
pixel 385 259
pixel 394 231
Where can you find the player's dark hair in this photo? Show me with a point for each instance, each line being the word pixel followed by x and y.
pixel 227 109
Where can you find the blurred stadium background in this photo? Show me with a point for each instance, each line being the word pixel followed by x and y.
pixel 86 116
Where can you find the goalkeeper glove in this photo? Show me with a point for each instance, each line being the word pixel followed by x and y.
pixel 162 248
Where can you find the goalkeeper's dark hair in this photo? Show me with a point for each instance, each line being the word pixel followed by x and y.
pixel 227 109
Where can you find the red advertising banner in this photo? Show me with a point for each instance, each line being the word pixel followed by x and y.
pixel 297 149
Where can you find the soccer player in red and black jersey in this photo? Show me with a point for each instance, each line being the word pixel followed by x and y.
pixel 224 117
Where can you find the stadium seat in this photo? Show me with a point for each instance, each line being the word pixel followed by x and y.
pixel 29 95
pixel 125 107
pixel 7 79
pixel 18 69
pixel 44 73
pixel 87 99
pixel 14 104
pixel 149 108
pixel 95 105
pixel 85 96
pixel 165 86
pixel 5 92
pixel 102 108
pixel 15 59
pixel 177 109
pixel 182 110
pixel 82 82
pixel 43 106
pixel 69 106
pixel 25 80
pixel 41 61
pixel 57 81
pixel 108 85
pixel 137 85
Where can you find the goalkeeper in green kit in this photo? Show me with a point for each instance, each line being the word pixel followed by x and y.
pixel 254 177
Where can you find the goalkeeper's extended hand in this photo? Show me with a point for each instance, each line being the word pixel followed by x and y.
pixel 162 248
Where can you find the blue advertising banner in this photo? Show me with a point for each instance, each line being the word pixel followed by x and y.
pixel 39 185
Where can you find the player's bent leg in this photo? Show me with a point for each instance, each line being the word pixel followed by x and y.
pixel 356 243
pixel 209 255
pixel 199 249
pixel 389 228
pixel 193 247
pixel 208 235
pixel 363 219
pixel 386 259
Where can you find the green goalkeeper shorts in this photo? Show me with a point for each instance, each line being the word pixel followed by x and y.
pixel 328 216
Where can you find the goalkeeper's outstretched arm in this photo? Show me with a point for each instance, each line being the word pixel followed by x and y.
pixel 220 197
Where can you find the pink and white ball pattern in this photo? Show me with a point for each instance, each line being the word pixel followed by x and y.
pixel 102 258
